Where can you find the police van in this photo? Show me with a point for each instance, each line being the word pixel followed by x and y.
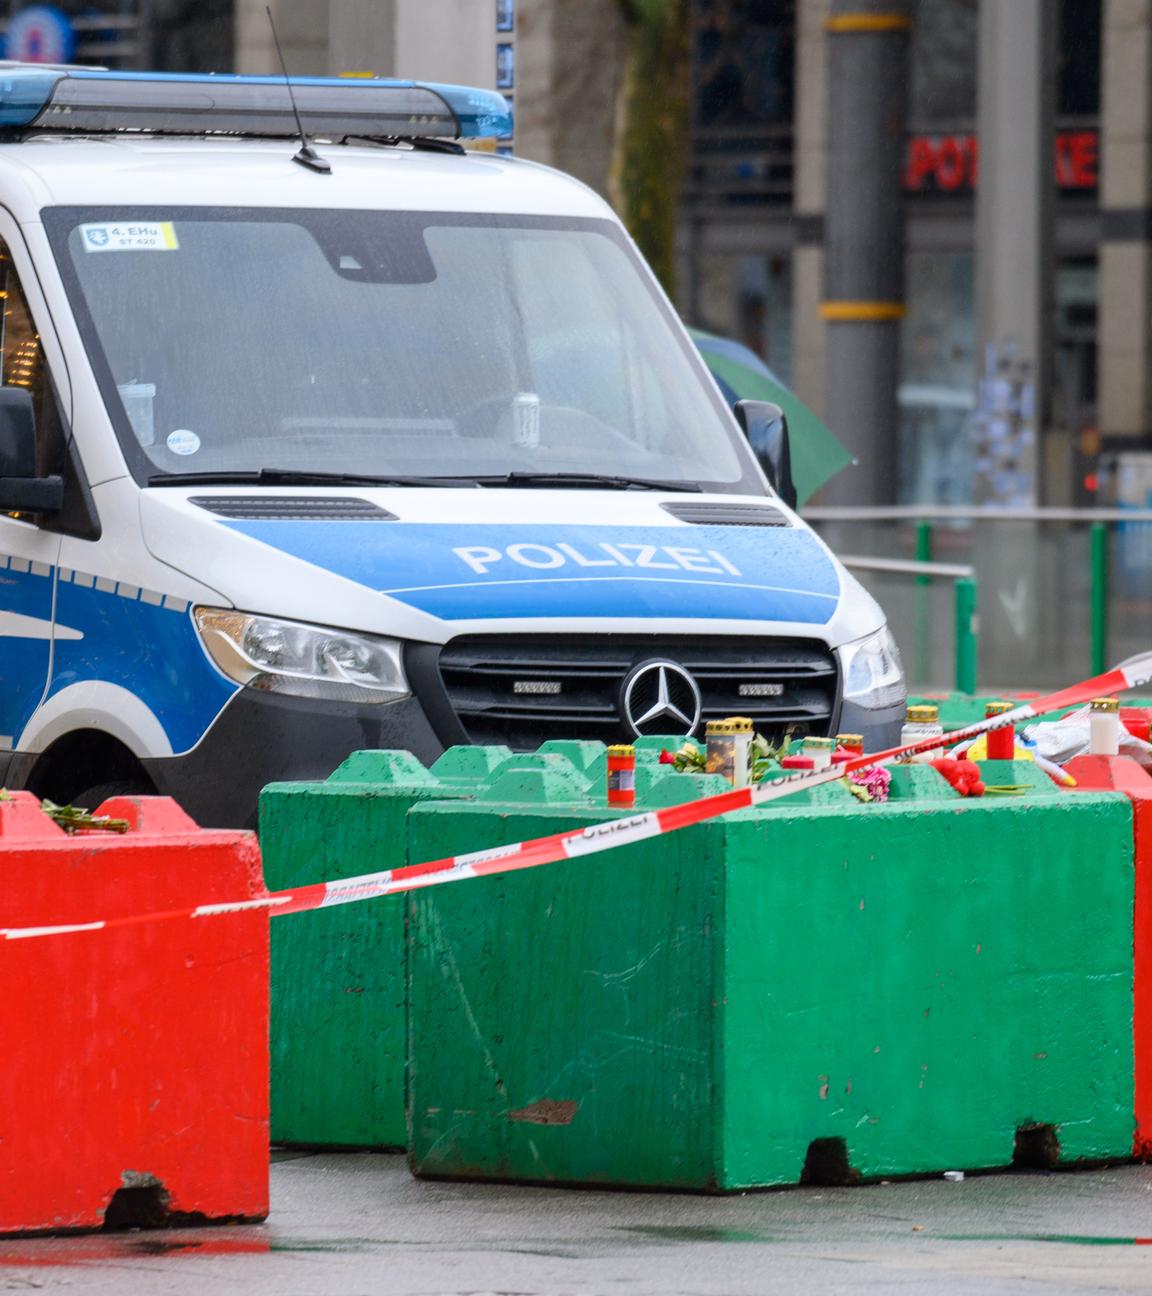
pixel 366 442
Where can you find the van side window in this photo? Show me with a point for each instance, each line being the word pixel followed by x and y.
pixel 20 351
pixel 22 364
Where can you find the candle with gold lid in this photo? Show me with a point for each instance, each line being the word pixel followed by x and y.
pixel 1001 743
pixel 923 722
pixel 1104 727
pixel 730 749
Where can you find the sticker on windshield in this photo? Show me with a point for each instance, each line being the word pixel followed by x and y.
pixel 183 442
pixel 152 236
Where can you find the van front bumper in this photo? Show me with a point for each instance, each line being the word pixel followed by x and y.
pixel 880 729
pixel 262 738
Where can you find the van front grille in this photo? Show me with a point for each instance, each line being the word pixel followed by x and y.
pixel 521 691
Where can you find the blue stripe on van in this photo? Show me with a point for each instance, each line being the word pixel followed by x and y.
pixel 511 570
pixel 151 651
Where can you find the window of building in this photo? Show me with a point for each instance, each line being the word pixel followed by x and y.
pixel 748 299
pixel 1078 59
pixel 942 94
pixel 744 64
pixel 938 379
pixel 743 56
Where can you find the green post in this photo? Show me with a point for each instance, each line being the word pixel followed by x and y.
pixel 923 548
pixel 1101 536
pixel 923 605
pixel 967 635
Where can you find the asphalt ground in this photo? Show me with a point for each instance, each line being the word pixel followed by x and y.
pixel 358 1225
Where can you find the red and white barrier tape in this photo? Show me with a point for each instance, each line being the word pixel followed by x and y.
pixel 1134 673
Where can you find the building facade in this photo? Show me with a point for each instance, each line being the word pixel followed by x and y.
pixel 1001 346
pixel 755 229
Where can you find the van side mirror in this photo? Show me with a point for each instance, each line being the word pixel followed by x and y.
pixel 766 428
pixel 21 491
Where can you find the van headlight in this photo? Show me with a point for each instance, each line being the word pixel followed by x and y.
pixel 873 671
pixel 302 660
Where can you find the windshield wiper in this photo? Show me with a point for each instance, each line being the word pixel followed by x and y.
pixel 594 481
pixel 294 477
pixel 302 477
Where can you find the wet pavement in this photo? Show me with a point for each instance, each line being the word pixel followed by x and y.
pixel 358 1225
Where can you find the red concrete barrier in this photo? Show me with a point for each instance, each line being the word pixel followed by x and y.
pixel 1138 721
pixel 1123 774
pixel 134 1082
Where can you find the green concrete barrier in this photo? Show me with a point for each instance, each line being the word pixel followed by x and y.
pixel 919 783
pixel 338 1028
pixel 960 709
pixel 1023 774
pixel 795 992
pixel 590 758
pixel 337 1025
pixel 826 793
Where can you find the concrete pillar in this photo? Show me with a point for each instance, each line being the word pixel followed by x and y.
pixel 810 161
pixel 1125 310
pixel 431 40
pixel 867 52
pixel 362 37
pixel 1015 197
pixel 445 40
pixel 569 72
pixel 535 72
pixel 302 26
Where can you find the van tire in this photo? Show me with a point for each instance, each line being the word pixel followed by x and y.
pixel 91 798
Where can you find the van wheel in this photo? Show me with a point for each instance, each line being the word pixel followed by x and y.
pixel 96 795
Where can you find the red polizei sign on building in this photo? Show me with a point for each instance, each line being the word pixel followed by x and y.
pixel 950 163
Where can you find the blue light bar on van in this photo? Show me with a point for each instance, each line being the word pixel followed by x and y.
pixel 36 98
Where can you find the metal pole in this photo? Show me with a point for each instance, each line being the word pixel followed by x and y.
pixel 923 602
pixel 1101 538
pixel 967 636
pixel 1015 198
pixel 863 303
pixel 923 546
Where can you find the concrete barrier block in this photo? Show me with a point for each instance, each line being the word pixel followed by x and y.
pixel 337 1033
pixel 1024 774
pixel 959 709
pixel 590 758
pixel 790 993
pixel 469 765
pixel 836 793
pixel 649 746
pixel 338 974
pixel 1122 773
pixel 535 776
pixel 674 789
pixel 389 768
pixel 919 783
pixel 135 1086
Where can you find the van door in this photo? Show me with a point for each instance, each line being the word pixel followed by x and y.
pixel 28 551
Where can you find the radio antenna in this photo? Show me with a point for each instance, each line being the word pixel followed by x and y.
pixel 306 155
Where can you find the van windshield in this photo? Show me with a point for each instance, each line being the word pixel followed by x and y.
pixel 388 344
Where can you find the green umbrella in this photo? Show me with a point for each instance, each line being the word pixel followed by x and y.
pixel 817 454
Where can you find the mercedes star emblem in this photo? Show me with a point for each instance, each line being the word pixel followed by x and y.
pixel 659 696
